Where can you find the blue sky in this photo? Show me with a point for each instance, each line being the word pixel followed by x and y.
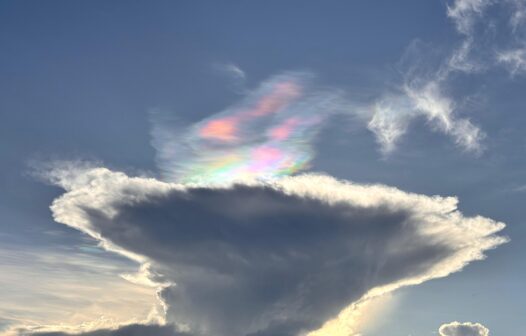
pixel 82 81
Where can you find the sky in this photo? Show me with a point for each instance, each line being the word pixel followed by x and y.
pixel 262 168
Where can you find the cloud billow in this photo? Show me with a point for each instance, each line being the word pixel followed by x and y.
pixel 463 329
pixel 271 258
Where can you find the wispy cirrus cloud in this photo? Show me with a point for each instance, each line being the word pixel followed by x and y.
pixel 272 130
pixel 424 90
pixel 514 59
pixel 235 74
pixel 465 13
pixel 393 114
pixel 233 70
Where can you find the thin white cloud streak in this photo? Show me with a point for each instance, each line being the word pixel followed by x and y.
pixel 390 119
pixel 437 217
pixel 461 60
pixel 439 110
pixel 464 13
pixel 234 71
pixel 514 60
pixel 235 74
pixel 520 188
pixel 463 329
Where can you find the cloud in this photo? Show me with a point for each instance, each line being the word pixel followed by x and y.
pixel 464 13
pixel 519 188
pixel 438 109
pixel 280 257
pixel 515 60
pixel 268 133
pixel 128 330
pixel 463 329
pixel 427 81
pixel 461 60
pixel 500 40
pixel 76 288
pixel 234 71
pixel 389 121
pixel 235 74
pixel 393 114
pixel 5 324
pixel 272 130
pixel 518 18
pixel 423 92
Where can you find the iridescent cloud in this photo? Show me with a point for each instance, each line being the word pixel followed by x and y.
pixel 267 135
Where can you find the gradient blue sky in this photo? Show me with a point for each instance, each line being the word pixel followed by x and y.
pixel 79 79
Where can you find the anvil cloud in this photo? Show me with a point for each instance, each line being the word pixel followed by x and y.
pixel 271 258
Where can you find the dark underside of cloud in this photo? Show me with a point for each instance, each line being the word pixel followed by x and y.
pixel 273 259
pixel 129 330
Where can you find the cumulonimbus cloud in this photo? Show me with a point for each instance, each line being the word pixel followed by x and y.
pixel 463 329
pixel 280 257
